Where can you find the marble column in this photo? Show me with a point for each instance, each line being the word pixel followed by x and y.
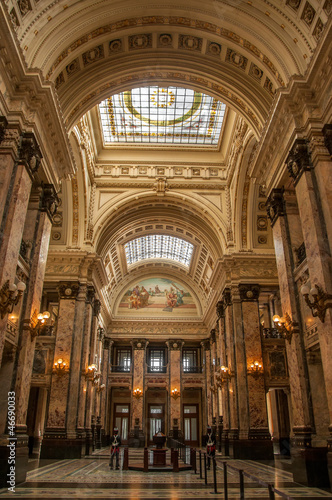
pixel 56 443
pixel 88 358
pixel 240 367
pixel 137 403
pixel 175 376
pixel 16 204
pixel 207 404
pixel 38 225
pixel 230 390
pixel 107 343
pixel 282 227
pixel 214 389
pixel 315 221
pixel 258 421
pixel 320 149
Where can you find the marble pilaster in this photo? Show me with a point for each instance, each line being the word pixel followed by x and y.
pixel 104 380
pixel 240 367
pixel 15 209
pixel 207 415
pixel 322 163
pixel 39 224
pixel 175 382
pixel 317 252
pixel 258 423
pixel 316 223
pixel 137 404
pixel 56 443
pixel 295 350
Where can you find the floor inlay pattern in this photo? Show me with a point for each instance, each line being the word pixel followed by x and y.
pixel 91 478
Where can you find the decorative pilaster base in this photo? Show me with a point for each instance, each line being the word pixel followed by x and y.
pixel 300 442
pixel 258 446
pixel 57 445
pixel 19 452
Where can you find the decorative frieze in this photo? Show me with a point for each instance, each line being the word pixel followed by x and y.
pixel 275 205
pixel 68 290
pixel 249 293
pixel 298 160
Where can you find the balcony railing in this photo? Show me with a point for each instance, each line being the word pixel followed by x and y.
pixel 156 369
pixel 272 333
pixel 192 369
pixel 121 368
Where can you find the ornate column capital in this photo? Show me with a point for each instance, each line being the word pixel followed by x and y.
pixel 327 133
pixel 68 290
pixel 220 309
pixel 29 153
pixel 3 126
pixel 206 344
pixel 249 293
pixel 139 344
pixel 90 295
pixel 175 344
pixel 107 343
pixel 49 200
pixel 96 307
pixel 298 160
pixel 275 205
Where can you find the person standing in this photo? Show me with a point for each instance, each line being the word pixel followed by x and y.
pixel 115 448
pixel 210 446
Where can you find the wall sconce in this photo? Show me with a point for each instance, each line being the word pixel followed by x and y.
pixel 137 393
pixel 10 294
pixel 175 393
pixel 60 367
pixel 223 375
pixel 90 373
pixel 320 303
pixel 34 326
pixel 284 325
pixel 255 369
pixel 101 388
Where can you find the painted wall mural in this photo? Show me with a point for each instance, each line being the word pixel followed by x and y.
pixel 157 297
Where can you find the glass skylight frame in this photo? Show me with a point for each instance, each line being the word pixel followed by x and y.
pixel 162 116
pixel 159 246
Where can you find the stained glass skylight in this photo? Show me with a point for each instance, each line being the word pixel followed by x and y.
pixel 158 246
pixel 162 115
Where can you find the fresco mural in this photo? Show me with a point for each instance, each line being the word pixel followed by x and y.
pixel 157 297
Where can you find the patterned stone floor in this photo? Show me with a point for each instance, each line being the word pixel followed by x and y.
pixel 91 478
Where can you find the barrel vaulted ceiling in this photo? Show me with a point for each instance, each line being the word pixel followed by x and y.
pixel 242 53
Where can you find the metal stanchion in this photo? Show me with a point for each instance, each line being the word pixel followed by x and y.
pixel 205 469
pixel 241 485
pixel 225 482
pixel 200 465
pixel 146 460
pixel 214 465
pixel 126 459
pixel 271 492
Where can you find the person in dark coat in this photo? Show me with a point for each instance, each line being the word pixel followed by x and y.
pixel 115 448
